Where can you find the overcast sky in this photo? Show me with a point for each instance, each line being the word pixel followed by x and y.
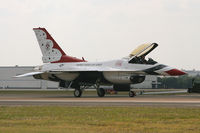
pixel 102 29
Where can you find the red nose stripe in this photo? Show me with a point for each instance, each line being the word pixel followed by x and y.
pixel 175 72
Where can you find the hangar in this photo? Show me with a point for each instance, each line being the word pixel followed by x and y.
pixel 8 82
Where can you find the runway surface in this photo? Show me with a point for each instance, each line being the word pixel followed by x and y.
pixel 61 99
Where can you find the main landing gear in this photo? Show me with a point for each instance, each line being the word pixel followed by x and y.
pixel 100 92
pixel 77 92
pixel 132 94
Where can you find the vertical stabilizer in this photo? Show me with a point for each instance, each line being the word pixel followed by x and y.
pixel 51 51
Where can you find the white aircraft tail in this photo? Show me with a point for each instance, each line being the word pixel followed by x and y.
pixel 51 51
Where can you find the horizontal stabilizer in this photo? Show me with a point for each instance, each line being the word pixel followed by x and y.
pixel 28 74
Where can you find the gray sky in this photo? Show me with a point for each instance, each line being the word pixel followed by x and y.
pixel 102 29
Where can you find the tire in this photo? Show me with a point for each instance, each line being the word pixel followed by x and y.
pixel 100 92
pixel 77 93
pixel 132 94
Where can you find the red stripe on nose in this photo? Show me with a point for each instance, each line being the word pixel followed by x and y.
pixel 175 72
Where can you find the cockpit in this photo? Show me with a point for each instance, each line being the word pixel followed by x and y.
pixel 141 60
pixel 137 56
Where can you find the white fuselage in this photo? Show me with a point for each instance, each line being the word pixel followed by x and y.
pixel 115 71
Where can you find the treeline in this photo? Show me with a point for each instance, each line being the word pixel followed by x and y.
pixel 181 82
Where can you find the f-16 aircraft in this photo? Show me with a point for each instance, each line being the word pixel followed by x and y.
pixel 80 74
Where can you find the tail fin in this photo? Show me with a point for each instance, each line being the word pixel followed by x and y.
pixel 50 49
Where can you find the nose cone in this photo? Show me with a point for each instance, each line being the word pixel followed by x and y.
pixel 175 72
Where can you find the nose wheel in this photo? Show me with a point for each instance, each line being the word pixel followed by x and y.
pixel 132 94
pixel 77 92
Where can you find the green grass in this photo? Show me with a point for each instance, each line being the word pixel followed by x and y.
pixel 57 119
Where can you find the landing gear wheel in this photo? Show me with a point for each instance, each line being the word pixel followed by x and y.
pixel 132 94
pixel 100 92
pixel 77 92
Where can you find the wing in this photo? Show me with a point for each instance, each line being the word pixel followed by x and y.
pixel 98 70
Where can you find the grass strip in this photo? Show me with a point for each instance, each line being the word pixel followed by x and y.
pixel 59 119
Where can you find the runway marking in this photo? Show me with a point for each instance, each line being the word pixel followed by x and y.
pixel 184 100
pixel 100 101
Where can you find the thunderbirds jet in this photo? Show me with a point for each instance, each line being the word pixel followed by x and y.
pixel 79 74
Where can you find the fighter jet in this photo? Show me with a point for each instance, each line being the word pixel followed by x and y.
pixel 80 74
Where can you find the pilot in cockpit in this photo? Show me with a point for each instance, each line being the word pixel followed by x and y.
pixel 137 56
pixel 142 60
pixel 151 61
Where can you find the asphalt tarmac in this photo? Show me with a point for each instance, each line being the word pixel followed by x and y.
pixel 61 99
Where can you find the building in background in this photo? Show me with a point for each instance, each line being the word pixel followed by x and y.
pixel 150 82
pixel 7 81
